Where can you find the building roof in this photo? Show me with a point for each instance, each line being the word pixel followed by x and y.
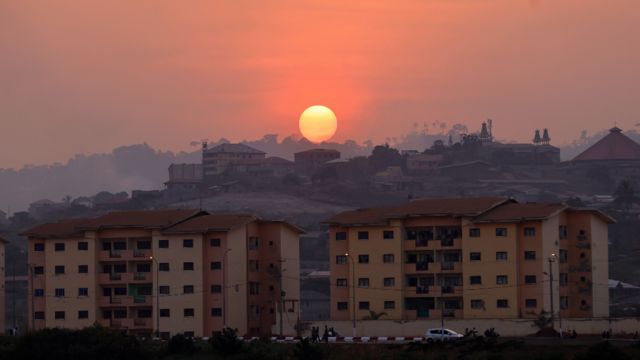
pixel 514 212
pixel 471 206
pixel 317 151
pixel 613 284
pixel 210 222
pixel 604 217
pixel 463 164
pixel 614 146
pixel 275 160
pixel 60 229
pixel 139 219
pixel 369 216
pixel 234 148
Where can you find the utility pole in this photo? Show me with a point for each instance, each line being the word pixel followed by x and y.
pixel 552 258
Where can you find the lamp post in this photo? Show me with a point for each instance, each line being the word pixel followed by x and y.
pixel 224 289
pixel 157 295
pixel 552 259
pixel 353 291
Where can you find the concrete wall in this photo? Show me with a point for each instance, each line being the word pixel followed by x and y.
pixel 236 280
pixel 599 267
pixel 519 327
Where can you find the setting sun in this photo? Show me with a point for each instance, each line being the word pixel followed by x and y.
pixel 318 123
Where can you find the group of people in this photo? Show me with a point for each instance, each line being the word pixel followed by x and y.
pixel 328 332
pixel 491 332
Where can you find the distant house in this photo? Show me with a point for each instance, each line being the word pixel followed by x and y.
pixel 470 169
pixel 420 164
pixel 216 160
pixel 307 162
pixel 271 166
pixel 392 179
pixel 41 208
pixel 184 181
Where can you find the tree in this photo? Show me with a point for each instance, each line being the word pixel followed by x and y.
pixel 384 156
pixel 543 321
pixel 374 315
pixel 625 195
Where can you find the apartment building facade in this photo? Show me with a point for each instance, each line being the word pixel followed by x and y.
pixel 216 160
pixel 469 258
pixel 164 272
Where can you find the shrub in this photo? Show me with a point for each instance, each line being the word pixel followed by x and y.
pixel 180 344
pixel 226 343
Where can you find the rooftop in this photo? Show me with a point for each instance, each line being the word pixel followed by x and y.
pixel 234 148
pixel 210 222
pixel 139 219
pixel 315 151
pixel 614 146
pixel 514 212
pixel 62 228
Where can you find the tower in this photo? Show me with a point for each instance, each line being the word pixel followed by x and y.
pixel 536 138
pixel 545 137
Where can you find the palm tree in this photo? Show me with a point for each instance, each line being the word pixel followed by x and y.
pixel 374 315
pixel 543 321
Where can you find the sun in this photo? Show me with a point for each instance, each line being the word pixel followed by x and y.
pixel 318 123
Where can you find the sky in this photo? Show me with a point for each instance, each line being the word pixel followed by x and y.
pixel 87 76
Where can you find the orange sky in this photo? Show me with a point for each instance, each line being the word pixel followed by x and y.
pixel 86 76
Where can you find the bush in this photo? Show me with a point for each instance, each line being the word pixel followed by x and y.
pixel 180 344
pixel 602 351
pixel 226 343
pixel 305 350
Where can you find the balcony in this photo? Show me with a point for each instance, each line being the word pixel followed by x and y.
pixel 125 278
pixel 444 244
pixel 451 266
pixel 124 301
pixel 451 290
pixel 123 255
pixel 419 267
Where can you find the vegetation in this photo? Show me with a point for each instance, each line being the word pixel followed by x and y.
pixel 102 344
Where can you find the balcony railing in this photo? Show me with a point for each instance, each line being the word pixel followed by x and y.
pixel 139 276
pixel 422 266
pixel 115 254
pixel 447 265
pixel 422 289
pixel 446 242
pixel 139 253
pixel 115 276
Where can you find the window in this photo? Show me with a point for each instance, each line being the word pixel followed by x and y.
pixel 564 256
pixel 363 259
pixel 363 282
pixel 530 279
pixel 341 259
pixel 214 242
pixel 474 256
pixel 388 258
pixel 83 291
pixel 254 265
pixel 216 265
pixel 474 232
pixel 187 289
pixel 83 245
pixel 187 243
pixel 389 282
pixel 59 315
pixel 477 304
pixel 389 305
pixel 83 269
pixel 38 270
pixel 120 245
pixel 83 314
pixel 529 255
pixel 59 269
pixel 144 313
pixel 216 289
pixel 59 246
pixel 502 303
pixel 564 279
pixel 164 290
pixel 38 315
pixel 363 305
pixel 529 231
pixel 341 235
pixel 582 255
pixel 254 288
pixel 501 256
pixel 187 266
pixel 343 305
pixel 502 279
pixel 387 234
pixel 564 302
pixel 341 282
pixel 120 268
pixel 143 268
pixel 530 303
pixel 363 235
pixel 120 291
pixel 163 244
pixel 38 247
pixel 501 231
pixel 254 243
pixel 188 312
pixel 163 266
pixel 216 312
pixel 165 313
pixel 563 233
pixel 38 292
pixel 475 280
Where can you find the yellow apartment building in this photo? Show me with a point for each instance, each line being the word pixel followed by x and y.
pixel 469 258
pixel 165 272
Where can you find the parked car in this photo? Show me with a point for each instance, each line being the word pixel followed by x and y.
pixel 442 335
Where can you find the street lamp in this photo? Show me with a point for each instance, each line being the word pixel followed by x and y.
pixel 552 259
pixel 353 291
pixel 157 295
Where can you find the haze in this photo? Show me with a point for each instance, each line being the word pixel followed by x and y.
pixel 84 77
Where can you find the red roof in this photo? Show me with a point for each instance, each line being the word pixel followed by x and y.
pixel 62 228
pixel 614 146
pixel 211 222
pixel 519 212
pixel 139 219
